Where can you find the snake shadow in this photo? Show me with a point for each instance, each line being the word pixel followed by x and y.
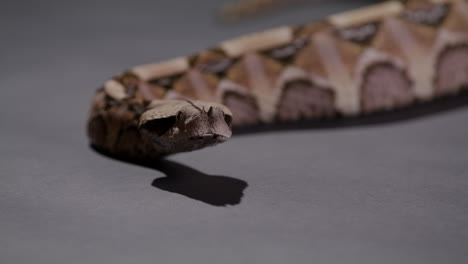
pixel 215 190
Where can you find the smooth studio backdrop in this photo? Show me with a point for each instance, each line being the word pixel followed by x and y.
pixel 385 193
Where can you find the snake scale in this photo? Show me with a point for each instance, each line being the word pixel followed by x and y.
pixel 377 58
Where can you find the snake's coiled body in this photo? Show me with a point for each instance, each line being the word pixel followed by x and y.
pixel 378 58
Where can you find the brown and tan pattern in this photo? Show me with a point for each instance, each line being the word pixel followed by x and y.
pixel 373 59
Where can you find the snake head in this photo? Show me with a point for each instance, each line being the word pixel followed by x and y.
pixel 179 125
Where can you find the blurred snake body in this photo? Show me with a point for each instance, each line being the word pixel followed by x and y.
pixel 377 58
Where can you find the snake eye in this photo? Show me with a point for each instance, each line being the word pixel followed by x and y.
pixel 159 126
pixel 179 115
pixel 227 119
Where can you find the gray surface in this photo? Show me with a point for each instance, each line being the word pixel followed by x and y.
pixel 393 193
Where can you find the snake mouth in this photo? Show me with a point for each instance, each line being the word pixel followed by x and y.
pixel 210 137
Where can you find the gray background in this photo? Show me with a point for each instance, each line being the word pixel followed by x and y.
pixel 386 193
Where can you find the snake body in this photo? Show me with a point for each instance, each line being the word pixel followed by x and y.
pixel 378 58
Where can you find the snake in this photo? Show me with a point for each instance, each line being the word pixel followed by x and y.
pixel 376 58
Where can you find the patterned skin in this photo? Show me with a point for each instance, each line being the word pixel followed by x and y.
pixel 378 58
